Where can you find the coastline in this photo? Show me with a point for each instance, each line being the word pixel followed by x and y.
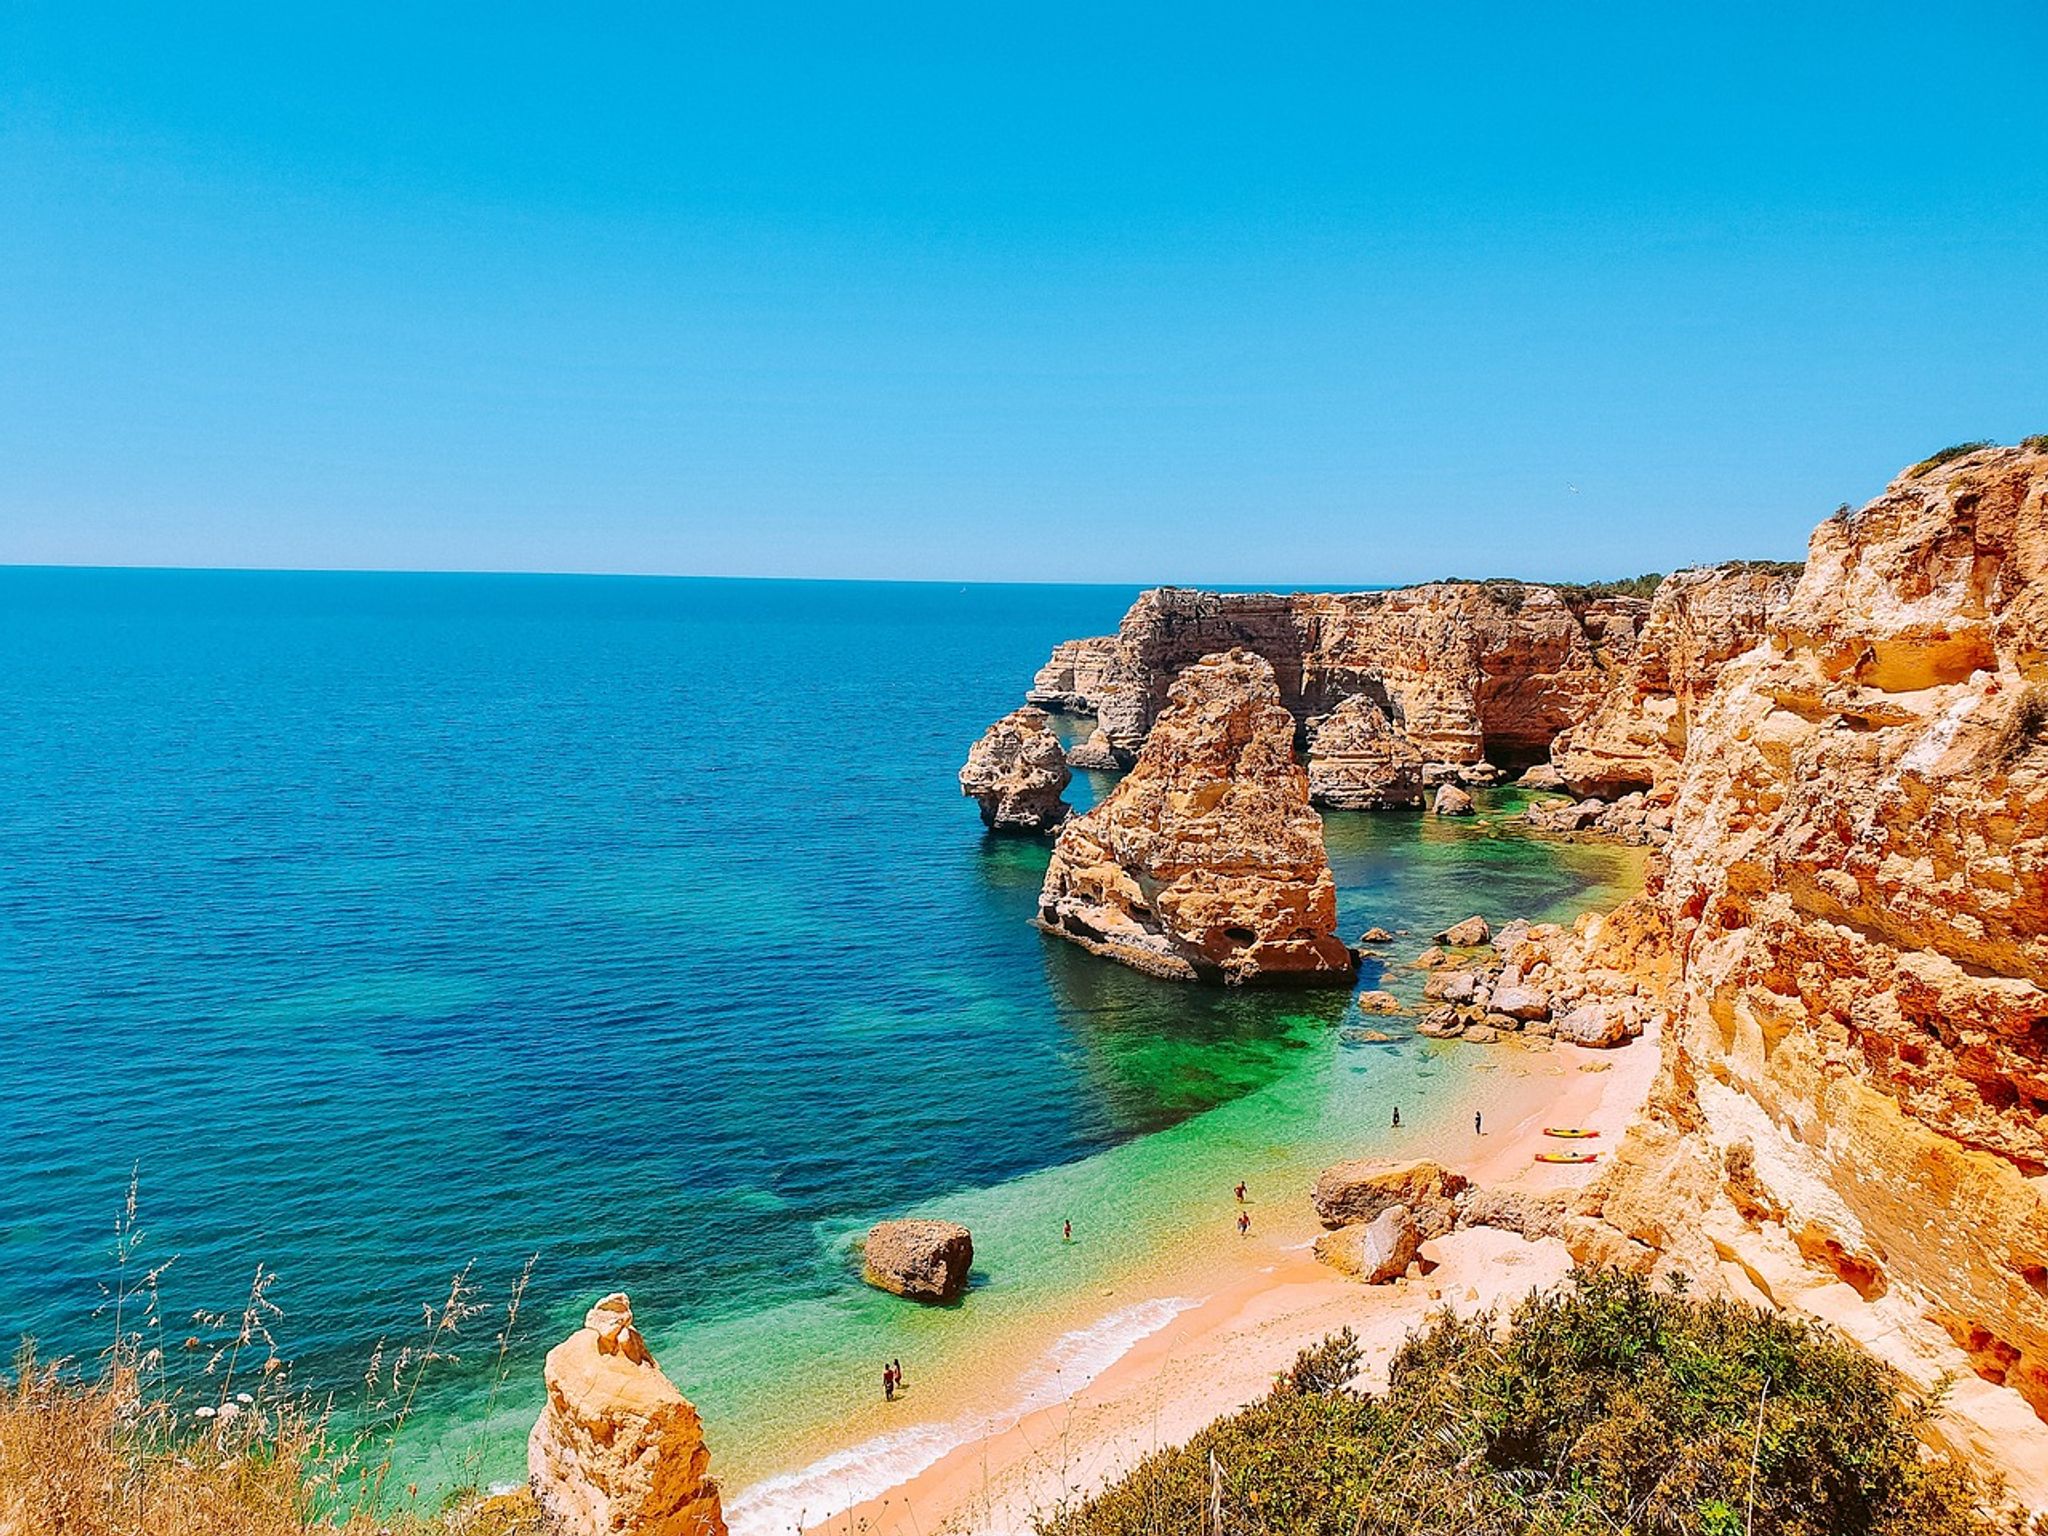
pixel 1167 1353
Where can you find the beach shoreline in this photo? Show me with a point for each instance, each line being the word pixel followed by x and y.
pixel 1160 1359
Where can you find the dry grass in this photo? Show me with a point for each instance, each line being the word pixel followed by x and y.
pixel 224 1445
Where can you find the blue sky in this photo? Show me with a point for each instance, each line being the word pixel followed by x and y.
pixel 1298 293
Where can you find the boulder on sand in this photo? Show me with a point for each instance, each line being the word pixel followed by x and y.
pixel 1598 1024
pixel 1376 1251
pixel 1520 1001
pixel 1347 1193
pixel 921 1259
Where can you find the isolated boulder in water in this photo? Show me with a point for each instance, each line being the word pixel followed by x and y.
pixel 618 1448
pixel 1346 1193
pixel 921 1259
pixel 1452 801
pixel 1017 773
pixel 1206 862
pixel 1376 1251
pixel 1542 776
pixel 1377 1001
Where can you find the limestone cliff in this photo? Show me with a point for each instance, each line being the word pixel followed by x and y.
pixel 1698 621
pixel 1359 760
pixel 1206 861
pixel 618 1451
pixel 1017 773
pixel 1457 668
pixel 1852 1116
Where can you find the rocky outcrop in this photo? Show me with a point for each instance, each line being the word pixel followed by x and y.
pixel 1457 668
pixel 1346 1194
pixel 921 1259
pixel 1017 773
pixel 1699 620
pixel 1635 818
pixel 1852 1114
pixel 1359 760
pixel 1206 862
pixel 618 1449
pixel 1376 1251
pixel 1096 754
pixel 1452 801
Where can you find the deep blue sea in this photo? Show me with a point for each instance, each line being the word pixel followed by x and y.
pixel 387 923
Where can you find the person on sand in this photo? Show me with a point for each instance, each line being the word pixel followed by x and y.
pixel 1476 1131
pixel 1240 1191
pixel 1244 1223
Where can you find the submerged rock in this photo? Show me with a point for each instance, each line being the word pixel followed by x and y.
pixel 1379 1002
pixel 618 1448
pixel 1206 862
pixel 921 1259
pixel 1017 773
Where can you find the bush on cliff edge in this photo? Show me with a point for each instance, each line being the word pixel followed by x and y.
pixel 1606 1406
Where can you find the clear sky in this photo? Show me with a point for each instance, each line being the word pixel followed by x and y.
pixel 1315 293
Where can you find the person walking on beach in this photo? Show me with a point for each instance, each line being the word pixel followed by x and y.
pixel 1244 1223
pixel 1476 1131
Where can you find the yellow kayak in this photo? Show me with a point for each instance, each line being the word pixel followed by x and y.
pixel 1569 1132
pixel 1566 1157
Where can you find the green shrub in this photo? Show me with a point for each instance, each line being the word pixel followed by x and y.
pixel 1952 451
pixel 1606 1406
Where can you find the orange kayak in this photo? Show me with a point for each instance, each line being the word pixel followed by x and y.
pixel 1569 1132
pixel 1566 1157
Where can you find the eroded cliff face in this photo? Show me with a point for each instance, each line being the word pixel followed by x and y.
pixel 1458 668
pixel 1206 862
pixel 1852 1117
pixel 1634 738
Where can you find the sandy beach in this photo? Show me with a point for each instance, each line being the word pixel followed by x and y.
pixel 1154 1368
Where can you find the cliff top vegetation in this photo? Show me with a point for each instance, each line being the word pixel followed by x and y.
pixel 1606 1406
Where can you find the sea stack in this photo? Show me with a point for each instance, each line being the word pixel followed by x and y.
pixel 1207 861
pixel 1360 760
pixel 1017 773
pixel 618 1448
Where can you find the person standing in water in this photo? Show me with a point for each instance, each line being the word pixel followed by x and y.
pixel 1244 1223
pixel 888 1384
pixel 1240 1191
pixel 1397 1117
pixel 1476 1131
pixel 897 1367
pixel 1067 1231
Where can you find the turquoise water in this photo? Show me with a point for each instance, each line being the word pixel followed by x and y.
pixel 391 923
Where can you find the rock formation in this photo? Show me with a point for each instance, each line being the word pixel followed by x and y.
pixel 1375 1251
pixel 1097 754
pixel 1206 861
pixel 1456 668
pixel 618 1451
pixel 1852 1114
pixel 1359 760
pixel 1346 1194
pixel 1699 620
pixel 1017 773
pixel 921 1259
pixel 1452 801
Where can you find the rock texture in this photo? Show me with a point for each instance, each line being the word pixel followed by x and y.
pixel 1360 760
pixel 918 1258
pixel 618 1451
pixel 1852 1114
pixel 1206 862
pixel 1346 1194
pixel 1017 773
pixel 1376 1251
pixel 1096 754
pixel 1699 620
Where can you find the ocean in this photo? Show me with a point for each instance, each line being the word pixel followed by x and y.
pixel 383 925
